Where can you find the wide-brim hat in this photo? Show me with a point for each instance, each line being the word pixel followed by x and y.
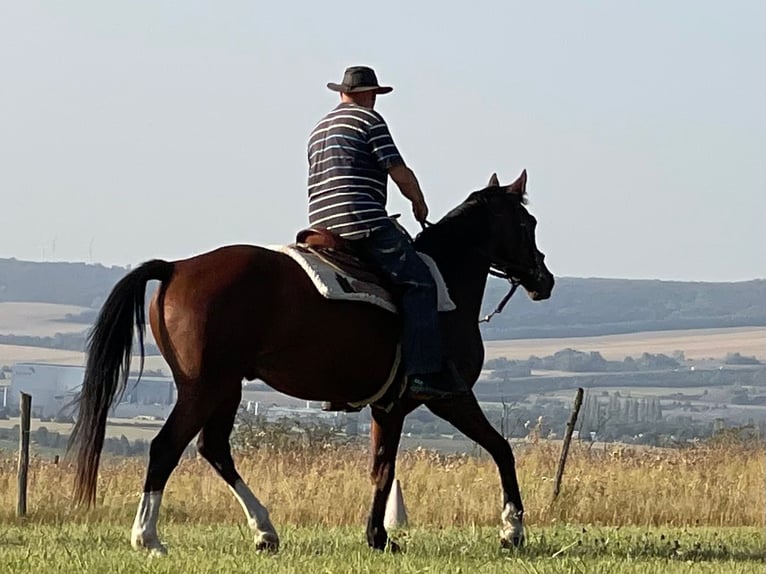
pixel 359 79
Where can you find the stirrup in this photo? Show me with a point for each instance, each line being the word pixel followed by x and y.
pixel 331 406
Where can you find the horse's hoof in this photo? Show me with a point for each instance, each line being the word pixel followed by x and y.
pixel 377 539
pixel 393 547
pixel 512 542
pixel 153 546
pixel 159 550
pixel 512 533
pixel 267 542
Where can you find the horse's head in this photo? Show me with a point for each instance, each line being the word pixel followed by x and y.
pixel 513 249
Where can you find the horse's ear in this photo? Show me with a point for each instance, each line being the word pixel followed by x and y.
pixel 493 181
pixel 519 187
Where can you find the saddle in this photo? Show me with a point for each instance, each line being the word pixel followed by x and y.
pixel 338 271
pixel 339 253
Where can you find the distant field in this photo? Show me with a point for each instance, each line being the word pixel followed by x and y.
pixel 696 343
pixel 38 319
pixel 10 354
pixel 45 320
pixel 132 429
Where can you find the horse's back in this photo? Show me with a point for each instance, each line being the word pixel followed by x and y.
pixel 250 311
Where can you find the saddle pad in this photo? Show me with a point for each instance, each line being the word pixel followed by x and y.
pixel 334 283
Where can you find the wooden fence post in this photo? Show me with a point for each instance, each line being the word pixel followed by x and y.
pixel 26 412
pixel 567 439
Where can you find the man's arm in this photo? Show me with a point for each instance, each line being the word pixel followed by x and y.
pixel 408 184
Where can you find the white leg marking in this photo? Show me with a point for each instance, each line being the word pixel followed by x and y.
pixel 512 533
pixel 257 517
pixel 144 533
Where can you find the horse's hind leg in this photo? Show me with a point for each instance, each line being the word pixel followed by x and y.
pixel 466 415
pixel 190 412
pixel 384 442
pixel 213 444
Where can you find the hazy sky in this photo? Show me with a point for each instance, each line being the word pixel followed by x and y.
pixel 142 129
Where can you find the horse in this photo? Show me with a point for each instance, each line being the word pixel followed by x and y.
pixel 246 312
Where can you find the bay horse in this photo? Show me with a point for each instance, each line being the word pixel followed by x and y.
pixel 246 312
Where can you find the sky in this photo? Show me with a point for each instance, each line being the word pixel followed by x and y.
pixel 144 129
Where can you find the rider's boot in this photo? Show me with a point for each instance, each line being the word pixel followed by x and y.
pixel 445 384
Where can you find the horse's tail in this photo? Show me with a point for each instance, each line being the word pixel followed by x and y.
pixel 107 369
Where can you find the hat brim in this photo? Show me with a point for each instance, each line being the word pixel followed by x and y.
pixel 346 90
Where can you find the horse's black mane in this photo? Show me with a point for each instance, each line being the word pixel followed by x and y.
pixel 470 217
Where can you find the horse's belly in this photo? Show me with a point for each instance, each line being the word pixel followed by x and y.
pixel 329 365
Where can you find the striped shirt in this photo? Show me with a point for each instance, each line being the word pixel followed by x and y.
pixel 349 154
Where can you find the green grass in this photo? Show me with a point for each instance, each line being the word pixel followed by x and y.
pixel 193 549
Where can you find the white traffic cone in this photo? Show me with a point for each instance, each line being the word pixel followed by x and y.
pixel 396 514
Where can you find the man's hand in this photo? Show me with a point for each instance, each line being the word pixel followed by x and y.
pixel 410 188
pixel 420 210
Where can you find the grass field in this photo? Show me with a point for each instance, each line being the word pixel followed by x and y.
pixel 621 510
pixel 201 549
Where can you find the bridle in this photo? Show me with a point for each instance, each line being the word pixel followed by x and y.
pixel 495 272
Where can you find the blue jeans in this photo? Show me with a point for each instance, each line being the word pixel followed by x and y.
pixel 392 251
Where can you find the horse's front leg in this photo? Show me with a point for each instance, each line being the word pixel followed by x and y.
pixel 466 415
pixel 385 433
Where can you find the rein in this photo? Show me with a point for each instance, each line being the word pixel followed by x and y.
pixel 514 284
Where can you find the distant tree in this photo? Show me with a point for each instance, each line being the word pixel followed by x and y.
pixel 41 436
pixel 54 440
pixel 139 447
pixel 124 448
pixel 643 410
pixel 497 363
pixel 737 359
pixel 625 411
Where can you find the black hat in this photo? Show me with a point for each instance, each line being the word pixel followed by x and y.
pixel 359 79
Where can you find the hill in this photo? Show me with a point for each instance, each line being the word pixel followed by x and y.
pixel 578 307
pixel 81 284
pixel 588 307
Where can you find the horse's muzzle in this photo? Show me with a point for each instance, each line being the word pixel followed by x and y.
pixel 537 296
pixel 543 287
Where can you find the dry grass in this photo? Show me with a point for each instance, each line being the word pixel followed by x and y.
pixel 701 486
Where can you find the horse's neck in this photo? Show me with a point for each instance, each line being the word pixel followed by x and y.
pixel 462 260
pixel 463 263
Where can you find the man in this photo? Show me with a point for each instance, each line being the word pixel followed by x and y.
pixel 351 154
